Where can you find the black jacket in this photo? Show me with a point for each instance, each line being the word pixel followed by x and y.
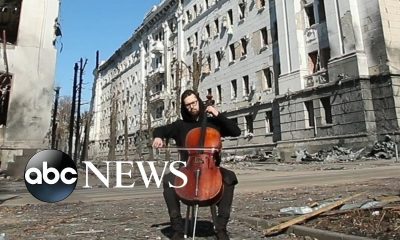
pixel 179 129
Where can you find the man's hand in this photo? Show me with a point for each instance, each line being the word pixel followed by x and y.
pixel 158 143
pixel 212 110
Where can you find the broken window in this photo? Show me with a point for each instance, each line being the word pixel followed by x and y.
pixel 309 116
pixel 172 80
pixel 5 86
pixel 207 4
pixel 196 39
pixel 242 8
pixel 207 31
pixel 209 63
pixel 264 37
pixel 325 56
pixel 318 61
pixel 159 112
pixel 195 10
pixel 232 55
pixel 127 96
pixel 233 89
pixel 10 12
pixel 326 110
pixel 158 87
pixel 246 87
pixel 267 78
pixel 310 14
pixel 188 16
pixel 216 25
pixel 219 94
pixel 218 58
pixel 230 17
pixel 159 36
pixel 313 64
pixel 243 47
pixel 189 43
pixel 158 61
pixel 248 124
pixel 269 127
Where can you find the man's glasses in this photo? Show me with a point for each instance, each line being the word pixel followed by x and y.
pixel 191 105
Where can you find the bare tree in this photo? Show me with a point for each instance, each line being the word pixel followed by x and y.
pixel 178 86
pixel 62 132
pixel 140 132
pixel 197 70
pixel 149 127
pixel 113 130
pixel 126 137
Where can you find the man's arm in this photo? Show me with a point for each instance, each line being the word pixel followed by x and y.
pixel 227 126
pixel 160 133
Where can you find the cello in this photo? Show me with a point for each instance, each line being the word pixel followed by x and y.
pixel 204 186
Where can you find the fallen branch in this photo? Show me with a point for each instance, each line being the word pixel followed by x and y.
pixel 280 227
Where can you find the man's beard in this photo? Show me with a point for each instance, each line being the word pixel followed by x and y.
pixel 194 114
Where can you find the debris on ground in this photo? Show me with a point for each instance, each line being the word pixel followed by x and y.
pixel 282 226
pixel 384 149
pixel 335 154
pixel 374 217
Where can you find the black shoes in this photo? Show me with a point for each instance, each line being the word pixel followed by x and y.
pixel 222 235
pixel 178 235
pixel 177 226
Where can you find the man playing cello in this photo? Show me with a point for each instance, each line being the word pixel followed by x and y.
pixel 193 111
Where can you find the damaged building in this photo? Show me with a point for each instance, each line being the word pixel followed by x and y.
pixel 292 74
pixel 28 31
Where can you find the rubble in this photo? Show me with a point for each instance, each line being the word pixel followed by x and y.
pixel 385 149
pixel 259 155
pixel 281 227
pixel 335 154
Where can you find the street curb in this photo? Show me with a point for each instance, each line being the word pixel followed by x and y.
pixel 322 234
pixel 300 230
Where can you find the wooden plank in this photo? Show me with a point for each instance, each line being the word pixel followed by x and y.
pixel 388 199
pixel 280 227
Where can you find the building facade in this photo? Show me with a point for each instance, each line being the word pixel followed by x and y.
pixel 293 74
pixel 29 30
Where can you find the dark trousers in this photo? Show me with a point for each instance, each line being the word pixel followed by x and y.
pixel 224 205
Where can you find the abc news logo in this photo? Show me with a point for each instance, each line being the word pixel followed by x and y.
pixel 51 175
pixel 44 172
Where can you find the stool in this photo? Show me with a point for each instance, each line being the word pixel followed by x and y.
pixel 193 220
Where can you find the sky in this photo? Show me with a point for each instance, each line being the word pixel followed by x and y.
pixel 91 25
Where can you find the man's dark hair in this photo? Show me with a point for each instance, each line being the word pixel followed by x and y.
pixel 187 93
